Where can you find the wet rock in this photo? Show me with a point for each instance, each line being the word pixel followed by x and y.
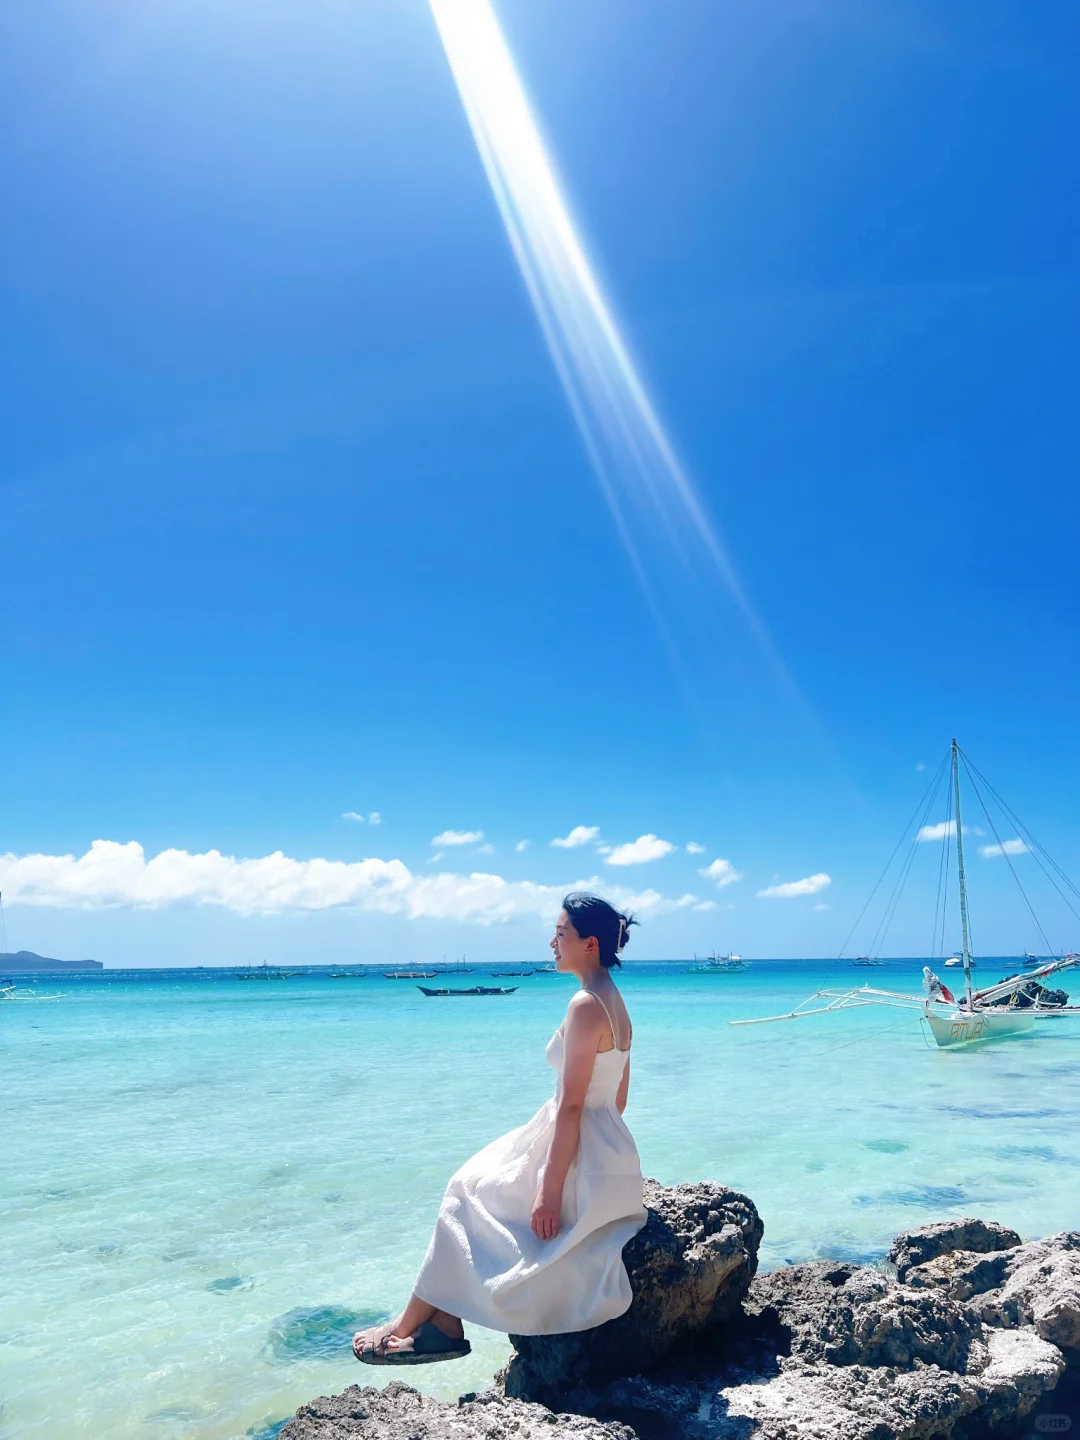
pixel 927 1242
pixel 689 1269
pixel 401 1413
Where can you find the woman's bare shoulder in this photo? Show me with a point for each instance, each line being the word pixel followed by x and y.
pixel 585 1009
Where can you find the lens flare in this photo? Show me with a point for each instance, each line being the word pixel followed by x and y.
pixel 673 546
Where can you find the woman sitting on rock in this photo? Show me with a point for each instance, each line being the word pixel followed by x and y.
pixel 531 1230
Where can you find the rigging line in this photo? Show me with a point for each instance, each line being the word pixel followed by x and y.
pixel 941 907
pixel 905 869
pixel 891 908
pixel 1038 851
pixel 934 783
pixel 1005 854
pixel 945 899
pixel 911 1020
pixel 1037 847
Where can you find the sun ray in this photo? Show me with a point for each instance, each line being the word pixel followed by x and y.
pixel 672 544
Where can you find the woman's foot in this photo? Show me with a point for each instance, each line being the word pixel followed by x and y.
pixel 372 1343
pixel 440 1338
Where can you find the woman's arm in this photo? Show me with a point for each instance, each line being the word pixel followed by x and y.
pixel 624 1088
pixel 581 1034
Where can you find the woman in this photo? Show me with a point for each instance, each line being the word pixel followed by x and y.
pixel 531 1230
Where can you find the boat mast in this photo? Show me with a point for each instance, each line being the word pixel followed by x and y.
pixel 960 867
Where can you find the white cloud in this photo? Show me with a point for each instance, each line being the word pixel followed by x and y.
pixel 722 872
pixel 943 828
pixel 637 852
pixel 693 848
pixel 810 886
pixel 579 835
pixel 487 849
pixel 685 900
pixel 354 815
pixel 374 818
pixel 111 874
pixel 1007 847
pixel 436 858
pixel 822 907
pixel 706 905
pixel 458 837
pixel 522 845
pixel 920 767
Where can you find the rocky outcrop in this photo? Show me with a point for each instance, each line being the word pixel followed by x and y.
pixel 946 1237
pixel 844 1351
pixel 1036 1284
pixel 401 1413
pixel 967 1340
pixel 690 1268
pixel 807 1401
pixel 852 1315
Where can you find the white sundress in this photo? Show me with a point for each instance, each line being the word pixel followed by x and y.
pixel 485 1264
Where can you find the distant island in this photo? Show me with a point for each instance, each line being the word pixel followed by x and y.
pixel 24 960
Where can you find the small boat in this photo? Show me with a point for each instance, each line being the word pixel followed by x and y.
pixel 473 990
pixel 865 960
pixel 15 992
pixel 1011 1007
pixel 718 965
pixel 545 970
pixel 1030 961
pixel 509 974
pixel 409 974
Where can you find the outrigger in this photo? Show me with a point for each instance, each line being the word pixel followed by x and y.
pixel 1008 1008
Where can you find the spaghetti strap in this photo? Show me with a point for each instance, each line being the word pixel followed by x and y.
pixel 611 1023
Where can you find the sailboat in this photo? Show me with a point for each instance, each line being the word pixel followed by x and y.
pixel 1011 1007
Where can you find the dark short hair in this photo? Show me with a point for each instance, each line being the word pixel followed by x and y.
pixel 591 916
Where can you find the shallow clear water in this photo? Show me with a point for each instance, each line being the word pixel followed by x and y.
pixel 207 1184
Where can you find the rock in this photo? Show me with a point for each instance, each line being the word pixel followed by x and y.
pixel 689 1267
pixel 401 1413
pixel 801 1401
pixel 927 1242
pixel 851 1315
pixel 962 1274
pixel 1037 1284
pixel 969 1343
pixel 1041 1288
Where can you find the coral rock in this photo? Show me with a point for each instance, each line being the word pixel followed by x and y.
pixel 689 1269
pixel 401 1413
pixel 927 1242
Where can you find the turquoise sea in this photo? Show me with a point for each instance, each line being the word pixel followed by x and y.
pixel 207 1184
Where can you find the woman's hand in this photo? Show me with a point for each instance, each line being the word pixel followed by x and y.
pixel 546 1213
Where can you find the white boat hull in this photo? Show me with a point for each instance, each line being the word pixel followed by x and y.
pixel 962 1027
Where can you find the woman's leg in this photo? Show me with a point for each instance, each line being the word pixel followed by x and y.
pixel 416 1313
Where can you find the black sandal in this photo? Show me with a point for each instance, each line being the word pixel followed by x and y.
pixel 423 1347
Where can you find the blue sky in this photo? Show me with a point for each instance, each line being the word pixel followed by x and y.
pixel 296 520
